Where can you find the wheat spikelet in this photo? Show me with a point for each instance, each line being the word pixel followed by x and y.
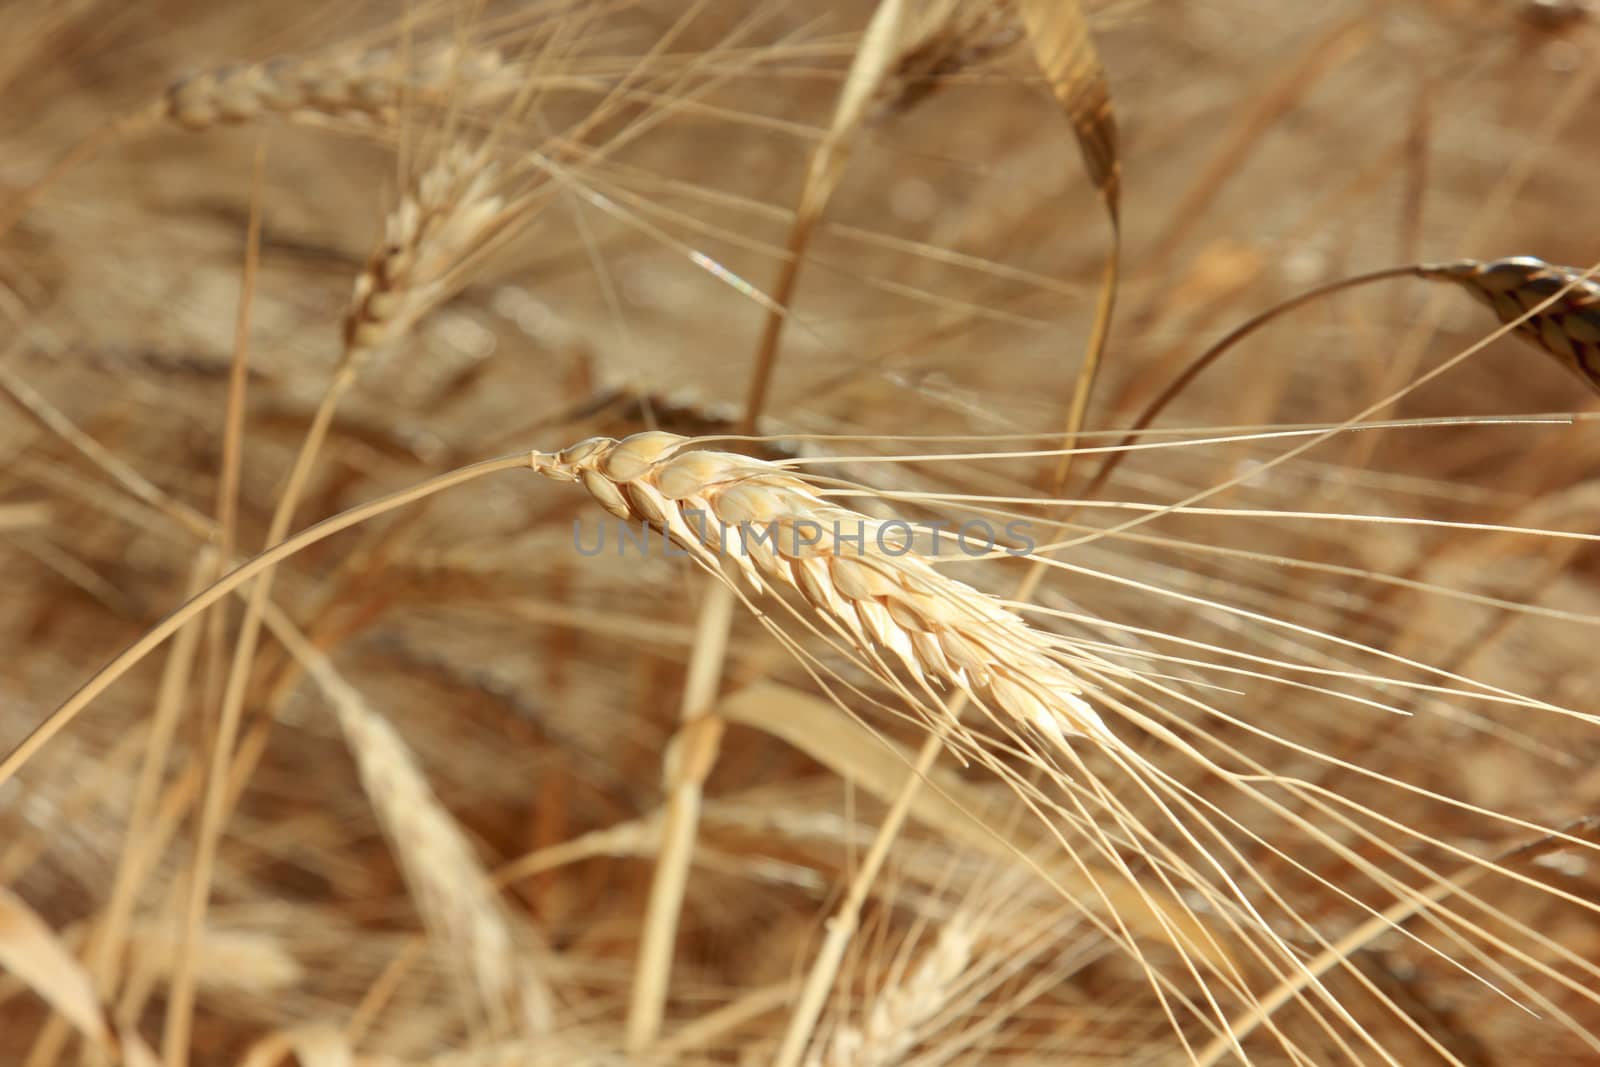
pixel 859 573
pixel 1568 329
pixel 347 83
pixel 890 1028
pixel 452 212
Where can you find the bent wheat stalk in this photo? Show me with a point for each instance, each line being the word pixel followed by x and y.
pixel 1557 308
pixel 773 530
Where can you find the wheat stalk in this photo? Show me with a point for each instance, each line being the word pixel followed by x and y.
pixel 859 573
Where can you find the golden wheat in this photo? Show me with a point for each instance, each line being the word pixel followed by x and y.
pixel 345 83
pixel 858 572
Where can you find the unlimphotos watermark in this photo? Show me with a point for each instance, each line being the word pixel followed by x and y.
pixel 799 537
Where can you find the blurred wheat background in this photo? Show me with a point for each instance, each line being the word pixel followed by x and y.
pixel 1349 815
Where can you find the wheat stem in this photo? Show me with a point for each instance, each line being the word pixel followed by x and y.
pixel 689 761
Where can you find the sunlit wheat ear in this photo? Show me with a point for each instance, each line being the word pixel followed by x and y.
pixel 454 210
pixel 858 573
pixel 1569 328
pixel 343 84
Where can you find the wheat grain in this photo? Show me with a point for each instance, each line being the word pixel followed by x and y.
pixel 1568 328
pixel 342 84
pixel 859 573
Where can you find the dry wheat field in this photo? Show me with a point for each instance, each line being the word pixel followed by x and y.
pixel 881 532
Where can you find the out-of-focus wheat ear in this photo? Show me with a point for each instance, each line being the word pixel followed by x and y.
pixel 453 892
pixel 1066 55
pixel 32 952
pixel 1557 308
pixel 946 37
pixel 451 214
pixel 891 1027
pixel 346 83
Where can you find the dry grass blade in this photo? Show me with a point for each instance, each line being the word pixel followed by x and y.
pixel 858 573
pixel 30 950
pixel 1557 308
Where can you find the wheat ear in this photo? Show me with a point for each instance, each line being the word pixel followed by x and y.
pixel 367 85
pixel 1557 308
pixel 859 573
pixel 342 84
pixel 452 213
pixel 890 1028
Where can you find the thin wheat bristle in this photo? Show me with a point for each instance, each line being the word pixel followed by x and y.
pixel 860 573
pixel 345 84
pixel 1569 328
